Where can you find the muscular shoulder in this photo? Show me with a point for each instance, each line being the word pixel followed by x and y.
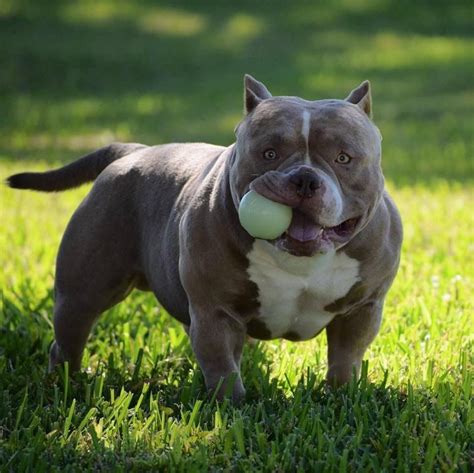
pixel 378 245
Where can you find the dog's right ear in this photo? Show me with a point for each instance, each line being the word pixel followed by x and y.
pixel 362 97
pixel 254 93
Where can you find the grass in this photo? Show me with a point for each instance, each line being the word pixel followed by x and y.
pixel 76 75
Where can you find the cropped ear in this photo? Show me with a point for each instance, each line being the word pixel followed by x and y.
pixel 362 97
pixel 254 93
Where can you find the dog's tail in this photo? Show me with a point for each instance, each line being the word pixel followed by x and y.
pixel 83 170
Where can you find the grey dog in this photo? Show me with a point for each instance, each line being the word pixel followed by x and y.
pixel 165 219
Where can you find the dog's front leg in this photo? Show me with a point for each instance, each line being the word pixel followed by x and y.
pixel 217 341
pixel 348 338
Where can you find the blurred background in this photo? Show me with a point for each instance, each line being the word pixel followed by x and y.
pixel 76 75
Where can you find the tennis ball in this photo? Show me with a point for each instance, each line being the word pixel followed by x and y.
pixel 263 218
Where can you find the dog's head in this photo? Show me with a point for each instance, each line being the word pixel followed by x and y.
pixel 322 158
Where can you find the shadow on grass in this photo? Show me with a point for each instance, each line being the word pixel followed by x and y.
pixel 76 77
pixel 148 412
pixel 172 374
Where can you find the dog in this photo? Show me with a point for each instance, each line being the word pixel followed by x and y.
pixel 165 219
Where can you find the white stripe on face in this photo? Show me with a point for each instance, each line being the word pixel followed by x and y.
pixel 305 133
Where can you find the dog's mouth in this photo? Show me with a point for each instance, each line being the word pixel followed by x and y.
pixel 305 237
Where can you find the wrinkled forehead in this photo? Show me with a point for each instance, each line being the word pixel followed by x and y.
pixel 324 120
pixel 278 114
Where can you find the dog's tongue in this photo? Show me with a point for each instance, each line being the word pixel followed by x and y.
pixel 302 228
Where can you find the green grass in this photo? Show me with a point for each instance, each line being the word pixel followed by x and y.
pixel 76 75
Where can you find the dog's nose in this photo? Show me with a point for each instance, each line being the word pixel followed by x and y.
pixel 306 181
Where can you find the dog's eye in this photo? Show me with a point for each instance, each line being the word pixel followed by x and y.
pixel 343 159
pixel 270 154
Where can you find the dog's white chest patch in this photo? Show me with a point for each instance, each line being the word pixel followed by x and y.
pixel 293 291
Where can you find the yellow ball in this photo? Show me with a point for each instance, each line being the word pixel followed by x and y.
pixel 263 218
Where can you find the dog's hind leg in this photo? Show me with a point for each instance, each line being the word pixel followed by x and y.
pixel 93 273
pixel 96 266
pixel 74 318
pixel 72 326
pixel 85 288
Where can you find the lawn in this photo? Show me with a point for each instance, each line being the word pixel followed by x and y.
pixel 77 75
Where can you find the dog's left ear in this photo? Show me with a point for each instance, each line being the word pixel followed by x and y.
pixel 362 97
pixel 254 93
